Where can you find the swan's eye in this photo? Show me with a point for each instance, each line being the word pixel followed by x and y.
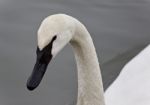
pixel 54 38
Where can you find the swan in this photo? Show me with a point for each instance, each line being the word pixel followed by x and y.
pixel 54 33
pixel 132 86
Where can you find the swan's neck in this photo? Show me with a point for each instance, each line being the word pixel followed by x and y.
pixel 90 88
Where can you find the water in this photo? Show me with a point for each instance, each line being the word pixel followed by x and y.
pixel 119 28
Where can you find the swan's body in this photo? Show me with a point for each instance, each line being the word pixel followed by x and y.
pixel 132 87
pixel 54 33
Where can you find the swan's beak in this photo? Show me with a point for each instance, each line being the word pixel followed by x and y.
pixel 42 61
pixel 37 75
pixel 44 56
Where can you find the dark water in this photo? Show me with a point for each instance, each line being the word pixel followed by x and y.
pixel 119 28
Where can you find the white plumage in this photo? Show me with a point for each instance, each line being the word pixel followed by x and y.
pixel 131 87
pixel 133 84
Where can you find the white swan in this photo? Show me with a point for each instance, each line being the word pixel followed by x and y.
pixel 132 86
pixel 54 33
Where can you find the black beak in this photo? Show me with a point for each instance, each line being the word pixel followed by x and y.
pixel 43 58
pixel 37 75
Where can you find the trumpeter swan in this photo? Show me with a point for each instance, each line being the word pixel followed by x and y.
pixel 54 33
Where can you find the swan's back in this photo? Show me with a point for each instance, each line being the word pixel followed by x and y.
pixel 132 87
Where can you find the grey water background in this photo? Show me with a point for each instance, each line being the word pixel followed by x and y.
pixel 120 30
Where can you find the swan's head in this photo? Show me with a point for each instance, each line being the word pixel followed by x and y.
pixel 54 33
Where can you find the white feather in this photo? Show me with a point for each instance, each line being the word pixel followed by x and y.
pixel 133 84
pixel 131 87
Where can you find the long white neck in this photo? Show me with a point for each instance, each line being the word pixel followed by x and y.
pixel 90 87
